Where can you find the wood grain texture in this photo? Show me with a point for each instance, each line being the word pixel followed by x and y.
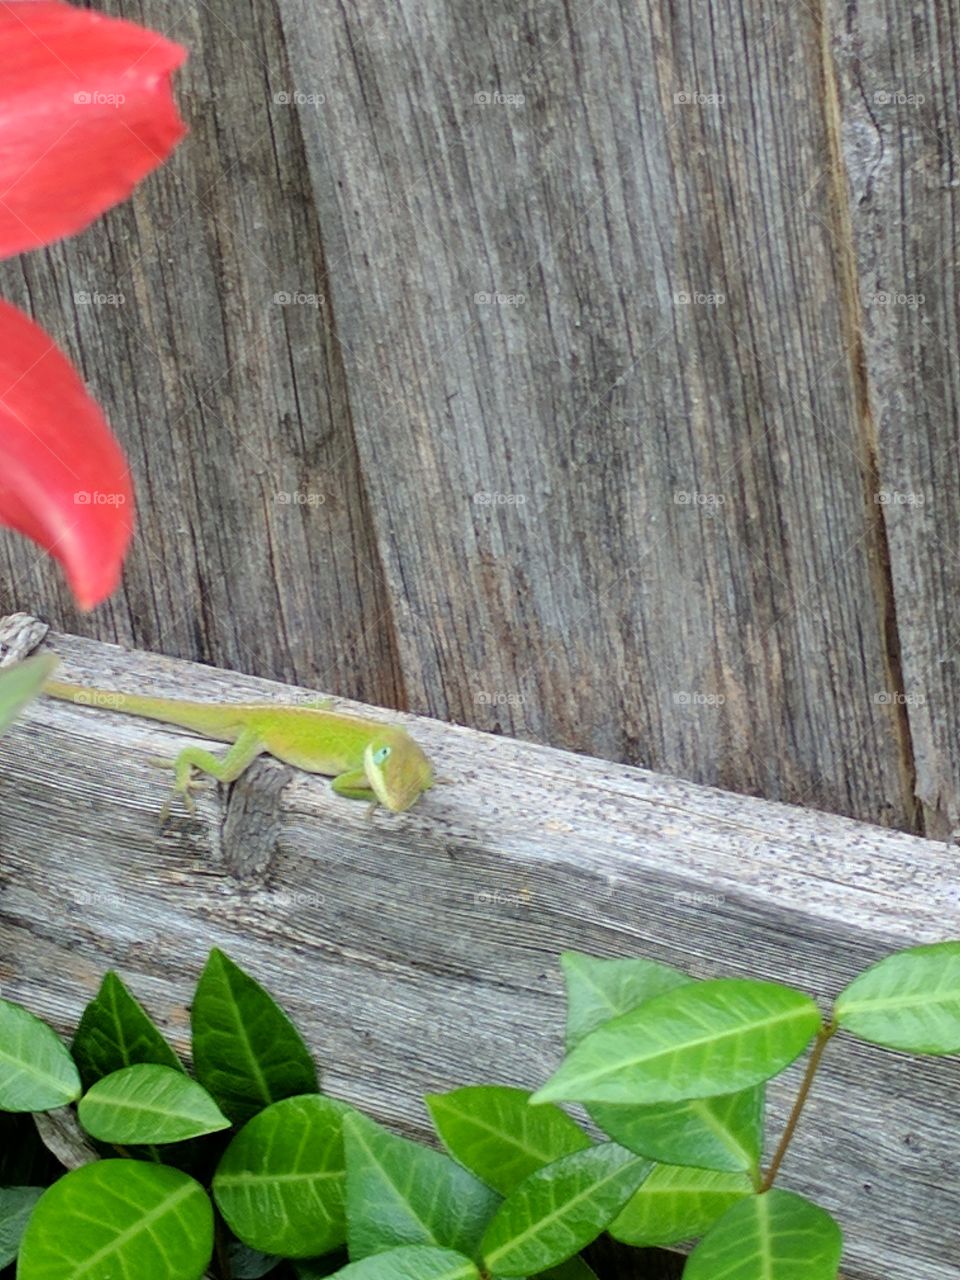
pixel 898 112
pixel 419 952
pixel 254 547
pixel 584 268
pixel 490 463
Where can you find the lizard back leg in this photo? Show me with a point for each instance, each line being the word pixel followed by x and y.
pixel 225 769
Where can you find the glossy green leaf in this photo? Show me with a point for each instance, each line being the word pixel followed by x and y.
pixel 21 683
pixel 909 1001
pixel 412 1262
pixel 36 1070
pixel 724 1133
pixel 148 1104
pixel 560 1209
pixel 115 1032
pixel 776 1236
pixel 599 990
pixel 246 1051
pixel 695 1041
pixel 280 1182
pixel 676 1204
pixel 494 1132
pixel 400 1193
pixel 16 1206
pixel 119 1218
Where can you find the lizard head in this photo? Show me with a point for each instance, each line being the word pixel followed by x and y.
pixel 397 770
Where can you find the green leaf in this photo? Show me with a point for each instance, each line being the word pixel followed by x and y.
pixel 399 1193
pixel 250 1264
pixel 36 1070
pixel 724 1133
pixel 910 1001
pixel 119 1218
pixel 16 1206
pixel 116 1032
pixel 696 1041
pixel 600 990
pixel 280 1182
pixel 21 684
pixel 246 1051
pixel 149 1104
pixel 676 1204
pixel 412 1262
pixel 560 1209
pixel 778 1234
pixel 496 1134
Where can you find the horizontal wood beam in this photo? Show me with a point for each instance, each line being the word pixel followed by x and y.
pixel 419 951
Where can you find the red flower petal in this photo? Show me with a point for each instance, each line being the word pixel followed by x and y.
pixel 63 479
pixel 86 111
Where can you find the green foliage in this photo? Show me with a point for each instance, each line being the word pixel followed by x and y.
pixel 671 1069
pixel 777 1235
pixel 119 1218
pixel 280 1183
pixel 115 1032
pixel 21 684
pixel 246 1051
pixel 36 1071
pixel 908 1001
pixel 149 1104
pixel 694 1041
pixel 16 1206
pixel 494 1132
pixel 399 1193
pixel 676 1204
pixel 557 1211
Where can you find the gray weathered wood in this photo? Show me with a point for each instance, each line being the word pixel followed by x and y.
pixel 897 113
pixel 752 644
pixel 420 951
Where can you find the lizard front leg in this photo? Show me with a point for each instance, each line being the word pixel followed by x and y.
pixel 225 769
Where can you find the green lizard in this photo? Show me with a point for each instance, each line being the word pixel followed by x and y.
pixel 367 761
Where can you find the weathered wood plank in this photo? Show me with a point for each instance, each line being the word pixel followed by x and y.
pixel 897 113
pixel 254 548
pixel 584 270
pixel 420 951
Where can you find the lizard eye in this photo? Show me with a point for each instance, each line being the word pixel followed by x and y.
pixel 380 755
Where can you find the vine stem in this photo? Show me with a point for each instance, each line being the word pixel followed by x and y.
pixel 824 1037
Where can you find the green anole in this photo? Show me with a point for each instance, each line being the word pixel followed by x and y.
pixel 367 761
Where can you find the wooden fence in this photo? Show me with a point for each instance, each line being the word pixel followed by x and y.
pixel 585 373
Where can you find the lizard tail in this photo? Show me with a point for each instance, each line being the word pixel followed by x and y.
pixel 202 717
